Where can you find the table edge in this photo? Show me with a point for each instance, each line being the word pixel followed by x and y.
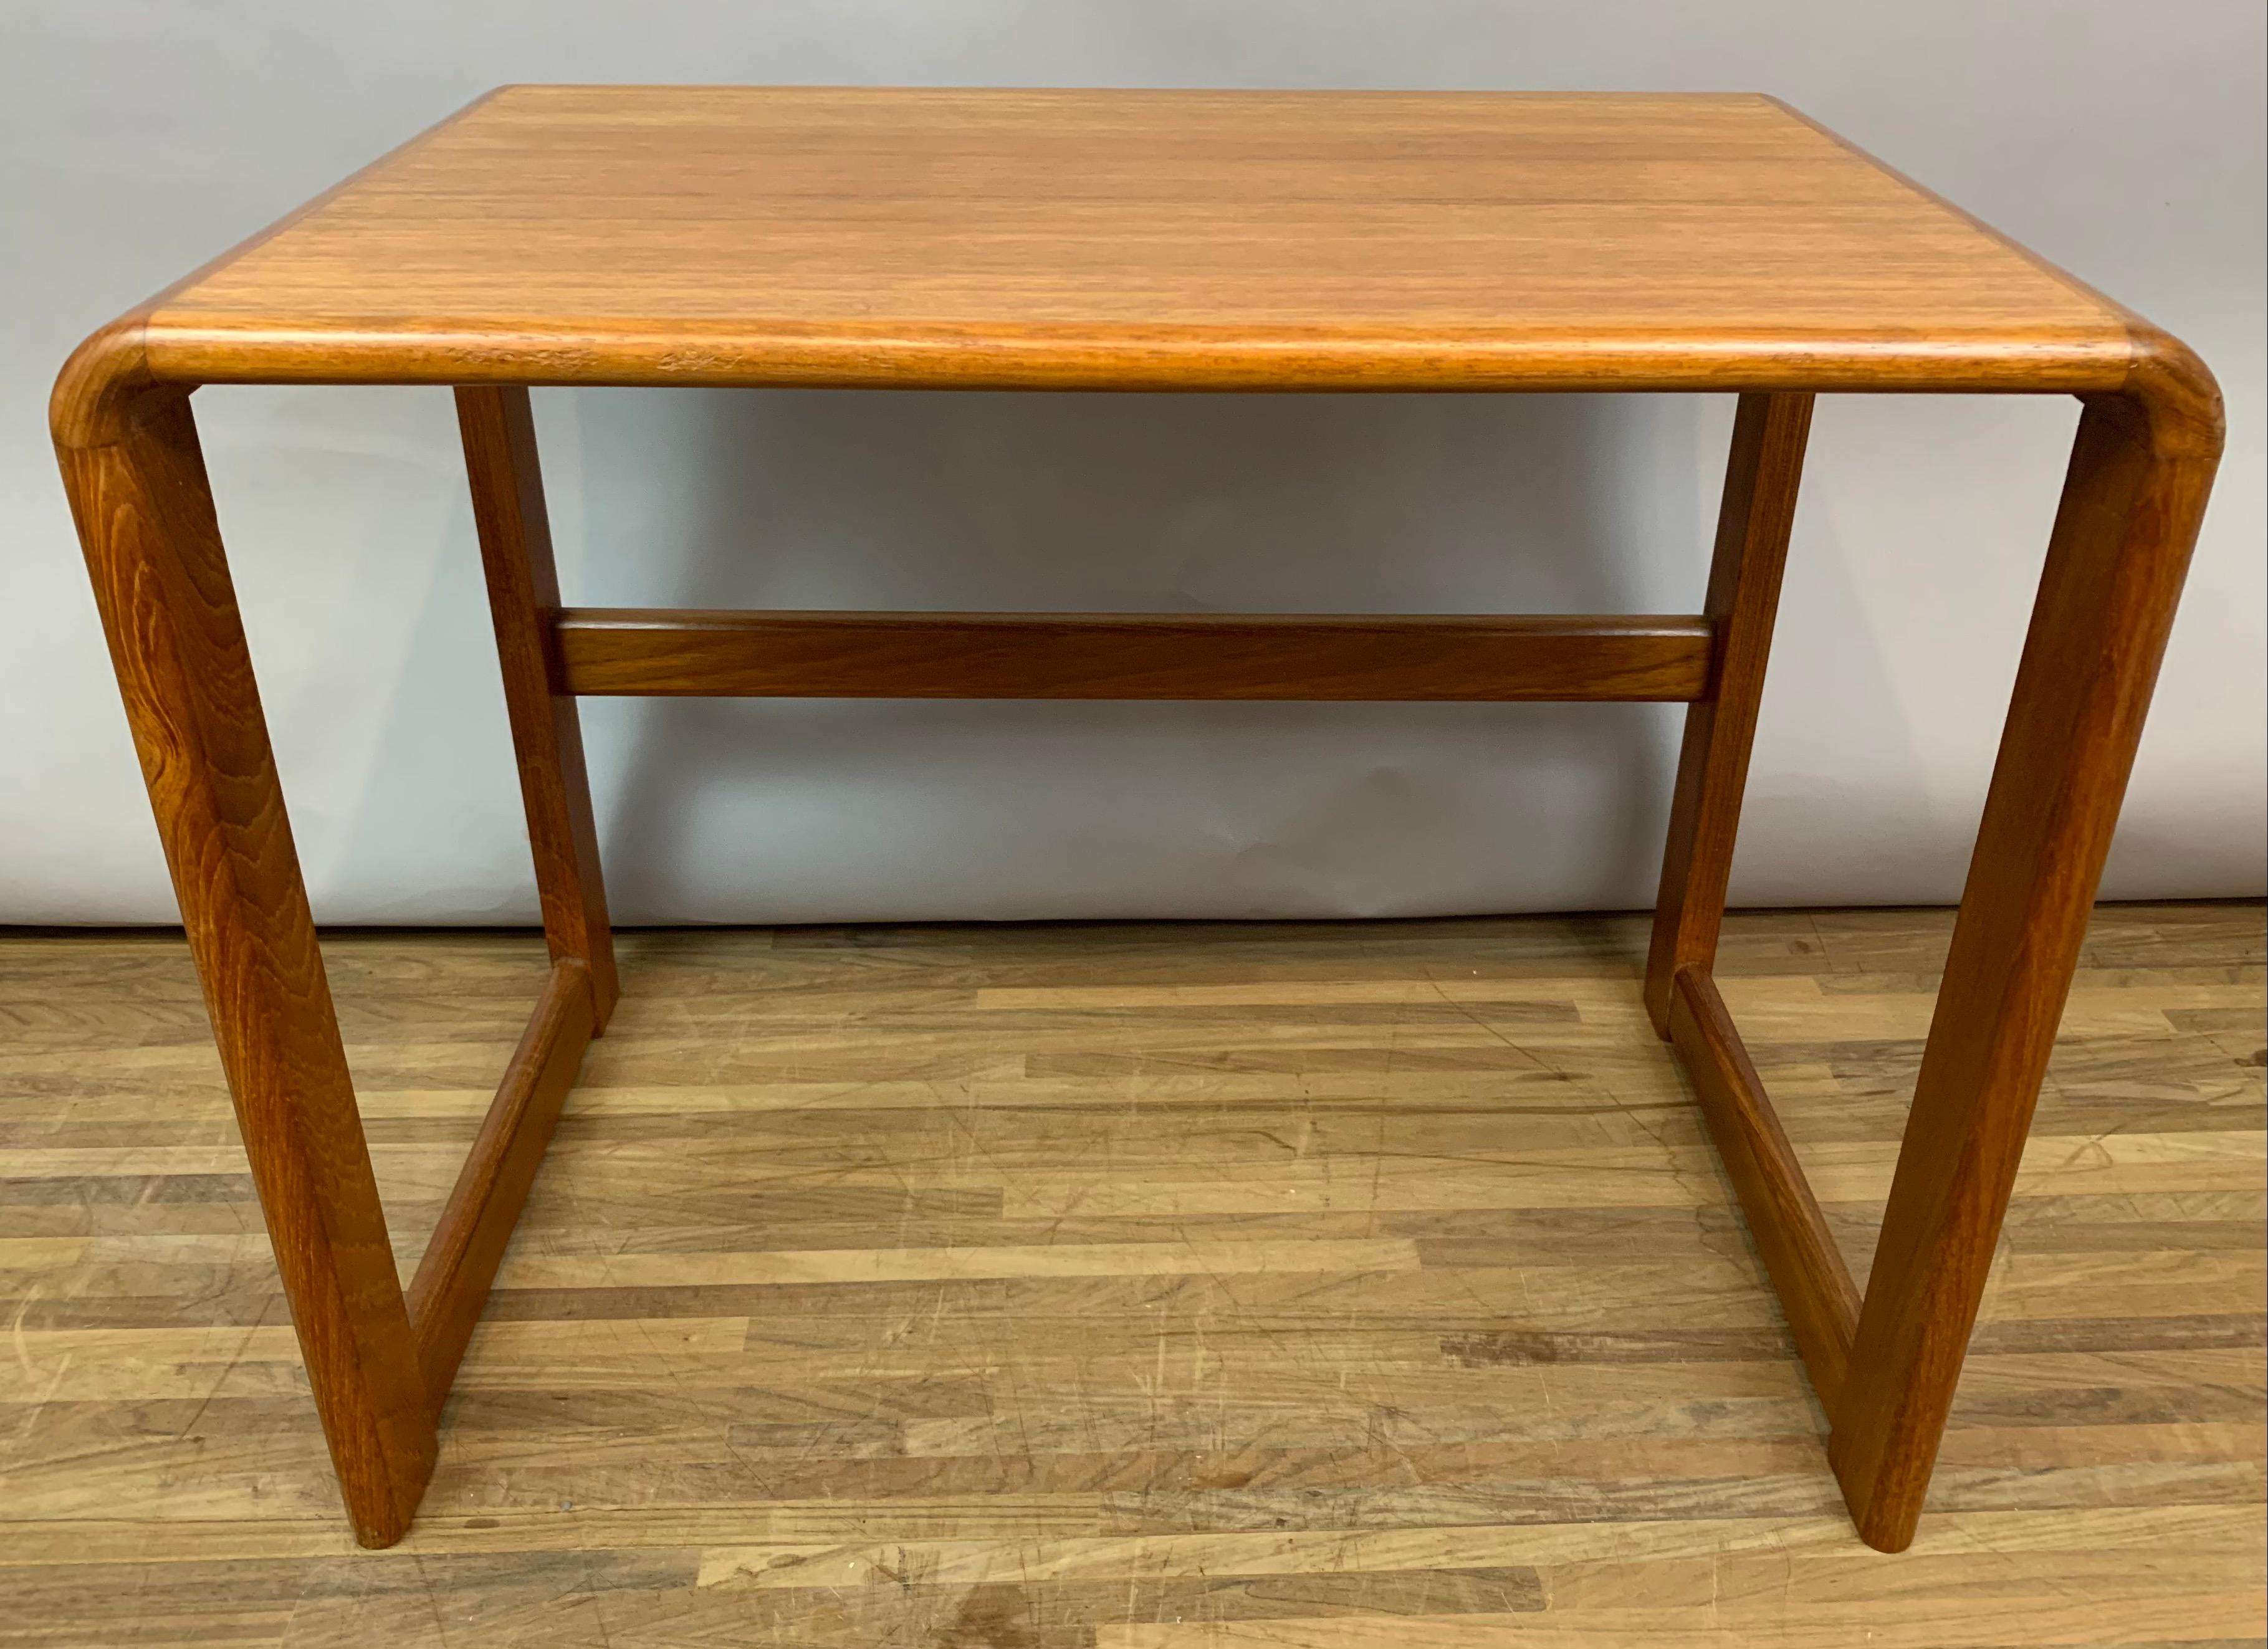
pixel 137 354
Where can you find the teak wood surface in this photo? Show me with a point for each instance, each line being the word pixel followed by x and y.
pixel 1136 239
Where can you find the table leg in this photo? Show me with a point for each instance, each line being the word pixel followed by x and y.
pixel 546 734
pixel 1769 432
pixel 2139 472
pixel 137 486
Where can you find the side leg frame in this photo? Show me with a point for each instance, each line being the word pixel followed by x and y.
pixel 1884 1366
pixel 379 1358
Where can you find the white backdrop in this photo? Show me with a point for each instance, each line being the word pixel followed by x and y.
pixel 2121 137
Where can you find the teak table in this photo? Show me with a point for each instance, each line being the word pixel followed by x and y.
pixel 1188 241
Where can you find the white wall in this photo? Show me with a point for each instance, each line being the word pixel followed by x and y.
pixel 2121 137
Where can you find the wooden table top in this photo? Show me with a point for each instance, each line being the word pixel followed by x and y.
pixel 1136 239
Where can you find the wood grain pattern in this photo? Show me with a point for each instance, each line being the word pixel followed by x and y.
pixel 1783 1217
pixel 546 731
pixel 451 1283
pixel 2140 470
pixel 1386 1392
pixel 1182 239
pixel 1130 656
pixel 145 519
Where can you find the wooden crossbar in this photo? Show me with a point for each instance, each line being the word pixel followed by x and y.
pixel 1784 1220
pixel 602 651
pixel 446 1297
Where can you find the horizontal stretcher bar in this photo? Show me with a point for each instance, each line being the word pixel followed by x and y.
pixel 657 650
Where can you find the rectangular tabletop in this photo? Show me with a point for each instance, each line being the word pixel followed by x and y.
pixel 1099 237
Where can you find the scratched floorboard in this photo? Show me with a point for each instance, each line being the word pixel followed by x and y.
pixel 1127 1287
